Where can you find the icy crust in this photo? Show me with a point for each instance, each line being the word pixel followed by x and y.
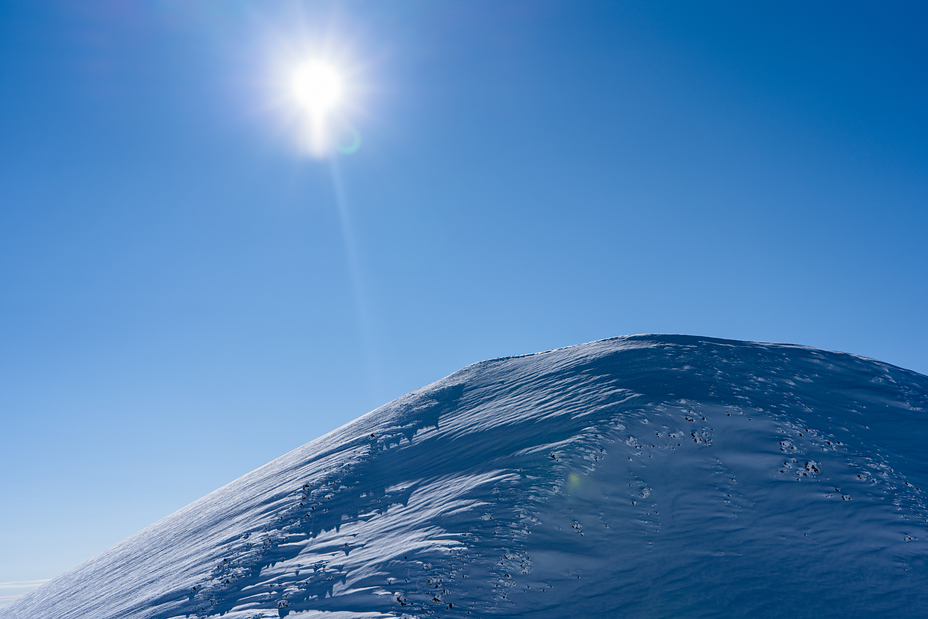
pixel 646 476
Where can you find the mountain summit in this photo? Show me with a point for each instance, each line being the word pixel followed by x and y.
pixel 641 476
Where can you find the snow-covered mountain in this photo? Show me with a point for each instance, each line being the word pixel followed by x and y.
pixel 643 476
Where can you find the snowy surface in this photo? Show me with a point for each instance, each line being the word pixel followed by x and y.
pixel 646 476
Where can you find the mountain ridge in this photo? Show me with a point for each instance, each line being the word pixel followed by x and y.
pixel 505 489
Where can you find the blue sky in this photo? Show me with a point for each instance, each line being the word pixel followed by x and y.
pixel 185 295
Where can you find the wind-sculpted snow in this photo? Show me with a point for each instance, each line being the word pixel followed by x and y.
pixel 646 476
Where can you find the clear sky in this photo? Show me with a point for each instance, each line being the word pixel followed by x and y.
pixel 186 294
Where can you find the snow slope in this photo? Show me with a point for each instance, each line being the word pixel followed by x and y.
pixel 643 476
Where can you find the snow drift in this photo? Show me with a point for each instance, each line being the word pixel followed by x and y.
pixel 643 476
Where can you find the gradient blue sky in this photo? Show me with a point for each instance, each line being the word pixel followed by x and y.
pixel 185 296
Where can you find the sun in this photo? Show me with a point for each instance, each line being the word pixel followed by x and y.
pixel 317 87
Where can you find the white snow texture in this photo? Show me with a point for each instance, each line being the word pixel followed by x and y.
pixel 641 476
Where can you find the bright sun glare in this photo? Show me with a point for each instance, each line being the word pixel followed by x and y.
pixel 317 86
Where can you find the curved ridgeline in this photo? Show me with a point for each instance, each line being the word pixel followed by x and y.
pixel 644 476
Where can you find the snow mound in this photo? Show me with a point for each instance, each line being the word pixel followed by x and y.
pixel 642 476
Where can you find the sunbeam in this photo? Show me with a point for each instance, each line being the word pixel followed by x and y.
pixel 363 314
